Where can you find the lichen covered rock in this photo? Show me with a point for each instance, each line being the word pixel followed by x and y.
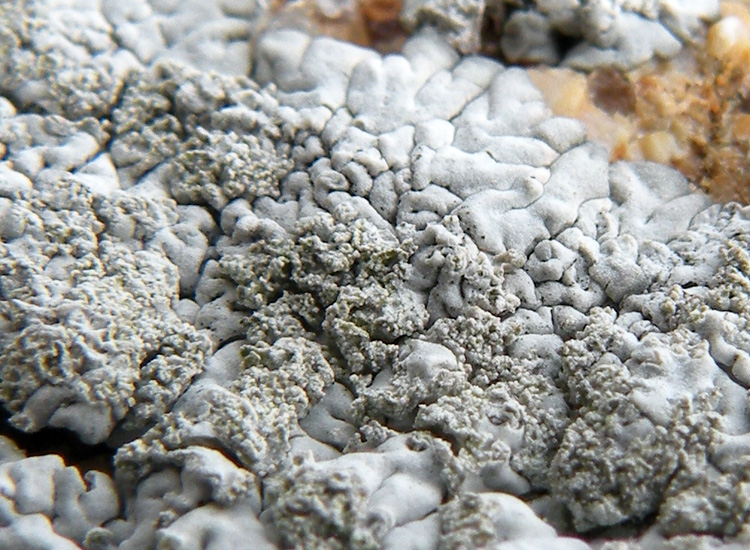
pixel 356 301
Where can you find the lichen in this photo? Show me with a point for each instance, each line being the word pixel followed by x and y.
pixel 79 337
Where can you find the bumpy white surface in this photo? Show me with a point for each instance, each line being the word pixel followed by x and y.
pixel 354 302
pixel 601 33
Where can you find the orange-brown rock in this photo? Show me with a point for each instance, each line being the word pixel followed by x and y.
pixel 371 23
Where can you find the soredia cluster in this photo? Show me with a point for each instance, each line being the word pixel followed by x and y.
pixel 352 301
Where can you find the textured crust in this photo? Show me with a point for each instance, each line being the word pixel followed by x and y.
pixel 354 301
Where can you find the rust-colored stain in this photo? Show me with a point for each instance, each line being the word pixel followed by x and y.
pixel 371 23
pixel 612 91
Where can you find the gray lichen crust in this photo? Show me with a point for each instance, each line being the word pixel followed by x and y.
pixel 604 33
pixel 90 339
pixel 354 301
